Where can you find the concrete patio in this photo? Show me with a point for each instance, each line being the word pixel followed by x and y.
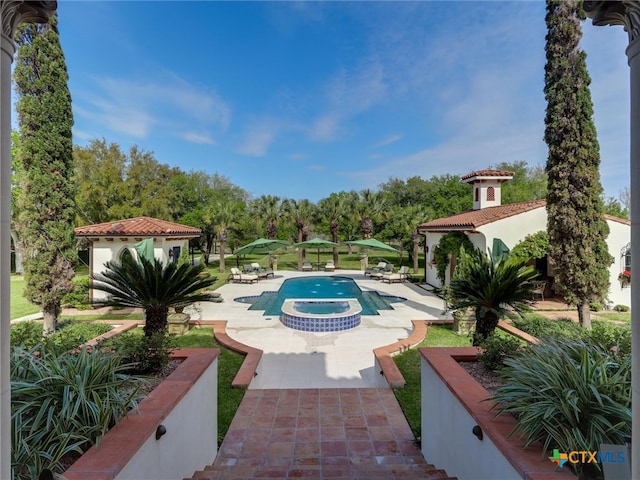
pixel 296 359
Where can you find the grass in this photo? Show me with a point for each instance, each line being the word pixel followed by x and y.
pixel 613 316
pixel 289 261
pixel 408 362
pixel 228 365
pixel 20 306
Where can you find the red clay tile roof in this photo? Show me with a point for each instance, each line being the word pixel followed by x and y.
pixel 140 226
pixel 488 173
pixel 472 219
pixel 617 219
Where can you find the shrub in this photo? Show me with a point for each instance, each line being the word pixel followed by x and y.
pixel 74 334
pixel 143 354
pixel 79 296
pixel 567 394
pixel 496 349
pixel 621 308
pixel 26 334
pixel 70 335
pixel 595 306
pixel 607 336
pixel 62 404
pixel 541 327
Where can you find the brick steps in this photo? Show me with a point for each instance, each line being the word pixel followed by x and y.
pixel 328 472
pixel 333 434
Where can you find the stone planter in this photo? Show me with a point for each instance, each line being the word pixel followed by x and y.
pixel 453 406
pixel 178 323
pixel 463 321
pixel 185 404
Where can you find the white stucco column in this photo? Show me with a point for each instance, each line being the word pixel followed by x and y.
pixel 627 14
pixel 11 14
pixel 633 52
pixel 7 52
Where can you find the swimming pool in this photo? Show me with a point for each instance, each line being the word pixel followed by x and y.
pixel 328 287
pixel 321 315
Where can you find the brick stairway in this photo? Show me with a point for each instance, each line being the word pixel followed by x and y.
pixel 322 434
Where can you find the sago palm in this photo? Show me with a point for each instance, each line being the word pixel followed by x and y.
pixel 152 286
pixel 494 289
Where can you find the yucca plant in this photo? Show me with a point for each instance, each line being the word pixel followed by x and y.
pixel 63 404
pixel 493 288
pixel 568 394
pixel 152 286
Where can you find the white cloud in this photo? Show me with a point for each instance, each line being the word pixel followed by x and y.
pixel 258 138
pixel 139 108
pixel 388 141
pixel 199 138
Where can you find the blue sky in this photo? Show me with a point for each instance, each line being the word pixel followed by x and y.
pixel 302 99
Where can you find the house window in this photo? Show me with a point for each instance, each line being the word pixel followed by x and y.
pixel 491 194
pixel 123 254
pixel 625 260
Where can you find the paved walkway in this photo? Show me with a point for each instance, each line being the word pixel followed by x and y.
pixel 295 359
pixel 347 433
pixel 313 410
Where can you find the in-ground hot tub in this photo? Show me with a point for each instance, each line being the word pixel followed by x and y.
pixel 321 314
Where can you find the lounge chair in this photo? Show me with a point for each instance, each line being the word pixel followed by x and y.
pixel 239 277
pixel 329 266
pixel 388 268
pixel 307 266
pixel 378 268
pixel 261 271
pixel 538 288
pixel 399 276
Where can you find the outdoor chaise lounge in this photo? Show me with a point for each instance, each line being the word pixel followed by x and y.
pixel 239 277
pixel 329 266
pixel 378 268
pixel 307 266
pixel 262 272
pixel 399 276
pixel 378 274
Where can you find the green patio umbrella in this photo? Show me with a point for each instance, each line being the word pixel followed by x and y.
pixel 316 243
pixel 372 243
pixel 145 249
pixel 260 247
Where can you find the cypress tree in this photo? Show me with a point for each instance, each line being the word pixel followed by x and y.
pixel 46 205
pixel 576 225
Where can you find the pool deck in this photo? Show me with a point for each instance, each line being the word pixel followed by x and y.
pixel 296 359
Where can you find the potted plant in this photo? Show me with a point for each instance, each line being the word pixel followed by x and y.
pixel 625 278
pixel 492 288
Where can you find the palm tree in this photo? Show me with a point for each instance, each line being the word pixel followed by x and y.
pixel 494 289
pixel 223 215
pixel 334 209
pixel 414 216
pixel 300 213
pixel 371 207
pixel 152 286
pixel 269 209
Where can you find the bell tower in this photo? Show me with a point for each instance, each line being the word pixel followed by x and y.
pixel 487 187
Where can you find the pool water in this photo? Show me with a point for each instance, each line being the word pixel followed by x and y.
pixel 320 287
pixel 321 308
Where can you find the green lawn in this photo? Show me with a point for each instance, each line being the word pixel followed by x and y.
pixel 228 365
pixel 408 362
pixel 289 261
pixel 613 316
pixel 20 306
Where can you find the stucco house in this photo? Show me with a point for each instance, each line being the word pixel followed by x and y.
pixel 489 220
pixel 109 241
